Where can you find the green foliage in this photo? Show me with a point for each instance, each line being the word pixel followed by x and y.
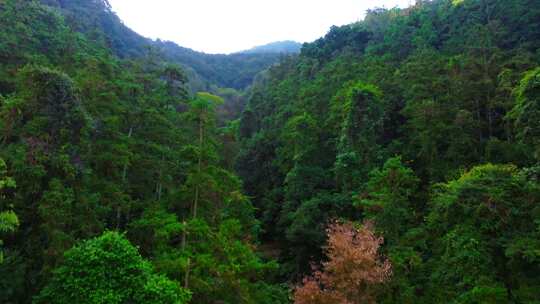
pixel 86 276
pixel 103 142
pixel 205 96
pixel 485 225
pixel 358 112
pixel 101 130
pixel 448 85
pixel 526 112
pixel 300 136
pixel 390 199
pixel 6 182
pixel 222 262
pixel 8 219
pixel 226 268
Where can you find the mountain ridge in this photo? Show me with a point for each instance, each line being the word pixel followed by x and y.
pixel 205 71
pixel 280 47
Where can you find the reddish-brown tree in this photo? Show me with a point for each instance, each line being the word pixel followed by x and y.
pixel 354 269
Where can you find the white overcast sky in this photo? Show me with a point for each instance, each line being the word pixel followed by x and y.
pixel 225 26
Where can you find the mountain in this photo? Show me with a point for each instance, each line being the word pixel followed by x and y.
pixel 96 20
pixel 235 71
pixel 279 47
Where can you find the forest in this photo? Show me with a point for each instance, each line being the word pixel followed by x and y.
pixel 394 160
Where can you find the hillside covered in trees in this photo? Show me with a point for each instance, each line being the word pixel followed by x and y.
pixel 394 160
pixel 96 20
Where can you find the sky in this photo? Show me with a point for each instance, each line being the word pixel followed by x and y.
pixel 226 26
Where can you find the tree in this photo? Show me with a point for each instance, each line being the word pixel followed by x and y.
pixel 51 111
pixel 354 269
pixel 202 112
pixel 46 131
pixel 223 261
pixel 87 275
pixel 200 181
pixel 389 199
pixel 300 136
pixel 486 238
pixel 526 112
pixel 359 113
pixel 8 219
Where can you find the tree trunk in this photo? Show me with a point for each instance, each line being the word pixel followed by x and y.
pixel 124 171
pixel 196 200
pixel 199 167
pixel 159 185
pixel 124 177
pixel 184 241
pixel 186 277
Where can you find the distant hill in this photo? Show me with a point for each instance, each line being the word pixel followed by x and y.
pixel 279 47
pixel 227 71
